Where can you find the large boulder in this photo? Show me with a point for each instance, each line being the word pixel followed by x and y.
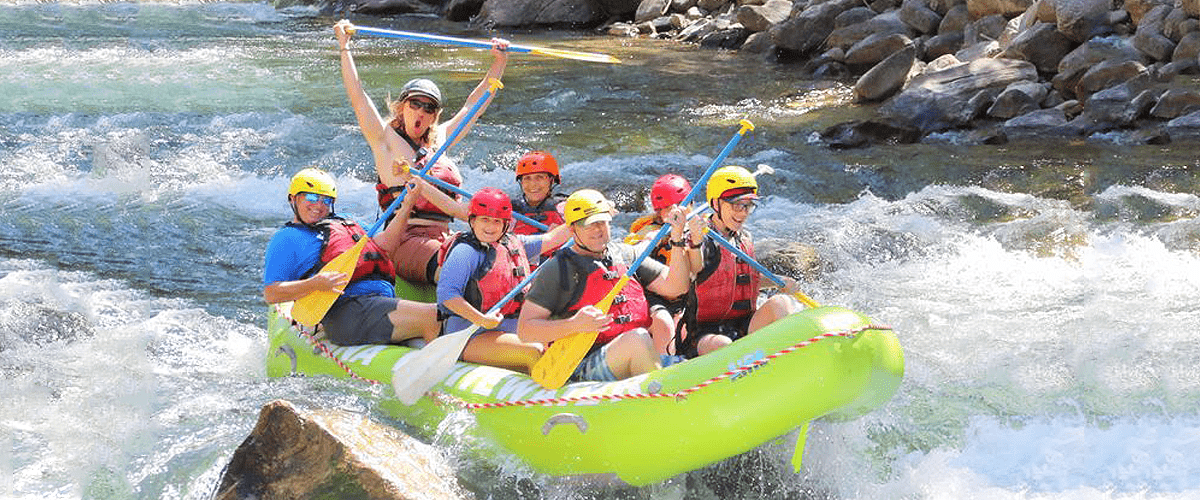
pixel 955 20
pixel 1149 38
pixel 461 11
pixel 1089 54
pixel 519 13
pixel 886 77
pixel 333 454
pixel 875 48
pixel 1043 45
pixel 1105 75
pixel 943 44
pixel 1018 99
pixel 649 10
pixel 758 18
pixel 919 16
pixel 1120 105
pixel 1176 102
pixel 1081 20
pixel 1037 125
pixel 1188 48
pixel 1191 7
pixel 947 98
pixel 806 29
pixel 1139 8
pixel 1006 8
pixel 887 23
pixel 382 7
pixel 1185 128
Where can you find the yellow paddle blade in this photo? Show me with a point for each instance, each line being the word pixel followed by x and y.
pixel 806 300
pixel 311 308
pixel 571 54
pixel 562 357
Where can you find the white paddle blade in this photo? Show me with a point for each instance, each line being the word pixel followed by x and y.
pixel 419 371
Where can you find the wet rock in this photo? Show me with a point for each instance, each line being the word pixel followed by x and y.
pixel 886 77
pixel 462 10
pixel 1185 128
pixel 853 16
pixel 1036 125
pixel 1176 102
pixel 332 454
pixel 1043 45
pixel 947 98
pixel 22 322
pixel 919 16
pixel 857 134
pixel 758 18
pixel 382 7
pixel 697 30
pixel 1120 105
pixel 1018 99
pixel 729 38
pixel 758 43
pixel 806 31
pixel 521 13
pixel 788 258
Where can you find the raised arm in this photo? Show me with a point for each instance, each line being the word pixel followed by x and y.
pixel 679 275
pixel 499 62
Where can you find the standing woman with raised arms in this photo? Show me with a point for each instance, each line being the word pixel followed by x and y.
pixel 396 141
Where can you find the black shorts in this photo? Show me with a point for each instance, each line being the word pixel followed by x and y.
pixel 672 306
pixel 734 329
pixel 361 319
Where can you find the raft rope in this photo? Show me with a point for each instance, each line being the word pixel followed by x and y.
pixel 679 395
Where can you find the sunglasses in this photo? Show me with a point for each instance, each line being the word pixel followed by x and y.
pixel 318 198
pixel 743 206
pixel 429 107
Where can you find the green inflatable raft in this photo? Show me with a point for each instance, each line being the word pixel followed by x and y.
pixel 822 362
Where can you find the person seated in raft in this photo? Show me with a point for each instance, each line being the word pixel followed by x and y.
pixel 411 129
pixel 537 174
pixel 427 224
pixel 722 303
pixel 562 296
pixel 481 266
pixel 667 192
pixel 367 312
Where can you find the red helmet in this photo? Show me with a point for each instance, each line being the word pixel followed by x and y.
pixel 669 190
pixel 538 161
pixel 444 170
pixel 491 202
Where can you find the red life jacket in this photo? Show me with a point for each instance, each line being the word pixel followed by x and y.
pixel 629 309
pixel 727 287
pixel 338 235
pixel 495 277
pixel 546 212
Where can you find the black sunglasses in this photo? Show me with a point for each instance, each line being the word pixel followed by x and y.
pixel 429 107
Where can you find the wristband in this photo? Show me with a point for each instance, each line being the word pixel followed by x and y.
pixel 677 243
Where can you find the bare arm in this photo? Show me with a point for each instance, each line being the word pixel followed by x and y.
pixel 556 237
pixel 679 275
pixel 386 146
pixel 534 323
pixel 499 62
pixel 286 291
pixel 461 307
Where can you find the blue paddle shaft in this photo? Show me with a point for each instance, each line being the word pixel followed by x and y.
pixel 742 255
pixel 446 185
pixel 432 161
pixel 462 42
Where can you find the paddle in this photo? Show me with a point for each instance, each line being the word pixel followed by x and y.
pixel 430 364
pixel 562 357
pixel 310 309
pixel 804 299
pixel 482 44
pixel 446 185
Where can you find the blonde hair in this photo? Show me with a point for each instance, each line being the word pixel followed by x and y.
pixel 432 136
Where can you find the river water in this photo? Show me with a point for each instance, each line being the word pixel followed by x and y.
pixel 1044 293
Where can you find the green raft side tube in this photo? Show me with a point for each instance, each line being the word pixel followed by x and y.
pixel 827 361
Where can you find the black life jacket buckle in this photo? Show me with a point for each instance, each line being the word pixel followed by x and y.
pixel 743 279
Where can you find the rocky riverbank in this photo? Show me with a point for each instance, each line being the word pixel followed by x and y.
pixel 1001 70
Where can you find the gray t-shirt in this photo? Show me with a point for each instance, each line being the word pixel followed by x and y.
pixel 549 291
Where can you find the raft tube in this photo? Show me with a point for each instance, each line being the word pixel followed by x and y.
pixel 822 362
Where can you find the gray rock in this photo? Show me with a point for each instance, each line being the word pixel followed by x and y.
pixel 1191 7
pixel 1169 71
pixel 1176 102
pixel 857 134
pixel 299 454
pixel 761 17
pixel 1107 74
pixel 944 6
pixel 385 7
pixel 1139 8
pixel 938 100
pixel 987 29
pixel 462 10
pixel 758 43
pixel 728 38
pixel 1018 99
pixel 1080 20
pixel 1188 48
pixel 1043 45
pixel 712 5
pixel 1149 38
pixel 1175 25
pixel 944 44
pixel 521 13
pixel 981 50
pixel 884 24
pixel 1037 125
pixel 918 16
pixel 1185 128
pixel 853 16
pixel 651 9
pixel 789 258
pixel 806 31
pixel 1007 8
pixel 887 77
pixel 876 48
pixel 955 20
pixel 1089 54
pixel 682 6
pixel 697 30
pixel 1119 106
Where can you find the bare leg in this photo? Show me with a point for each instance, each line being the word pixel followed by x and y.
pixel 774 309
pixel 414 319
pixel 497 348
pixel 662 329
pixel 712 342
pixel 632 353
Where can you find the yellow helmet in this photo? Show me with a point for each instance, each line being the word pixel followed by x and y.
pixel 730 177
pixel 587 205
pixel 313 180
